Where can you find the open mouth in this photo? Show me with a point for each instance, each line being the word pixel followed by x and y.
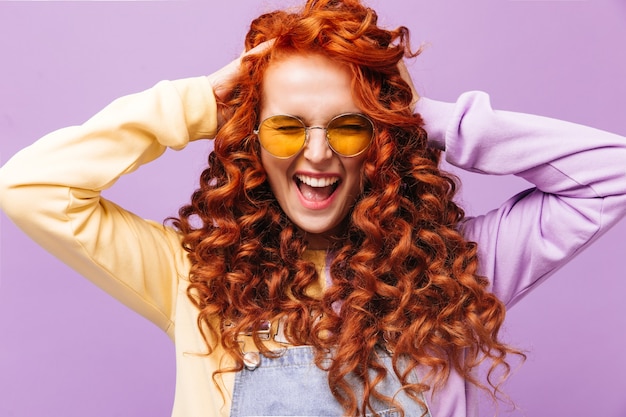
pixel 316 189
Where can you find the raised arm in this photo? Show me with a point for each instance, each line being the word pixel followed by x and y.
pixel 579 174
pixel 51 190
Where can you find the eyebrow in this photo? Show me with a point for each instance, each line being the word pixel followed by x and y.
pixel 307 122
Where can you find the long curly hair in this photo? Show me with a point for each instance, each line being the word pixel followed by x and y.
pixel 403 276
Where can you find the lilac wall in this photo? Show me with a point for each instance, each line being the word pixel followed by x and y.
pixel 67 349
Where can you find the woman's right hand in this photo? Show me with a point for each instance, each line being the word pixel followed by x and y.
pixel 221 79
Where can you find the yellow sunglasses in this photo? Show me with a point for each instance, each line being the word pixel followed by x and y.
pixel 284 136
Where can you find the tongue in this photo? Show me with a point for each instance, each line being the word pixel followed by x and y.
pixel 315 193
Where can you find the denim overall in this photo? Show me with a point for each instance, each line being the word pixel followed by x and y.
pixel 291 385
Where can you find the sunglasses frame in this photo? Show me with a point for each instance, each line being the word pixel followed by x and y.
pixel 306 133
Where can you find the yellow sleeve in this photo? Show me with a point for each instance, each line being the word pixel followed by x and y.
pixel 51 190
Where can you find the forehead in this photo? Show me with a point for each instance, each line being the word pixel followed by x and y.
pixel 305 62
pixel 307 85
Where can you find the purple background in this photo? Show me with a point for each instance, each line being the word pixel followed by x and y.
pixel 67 349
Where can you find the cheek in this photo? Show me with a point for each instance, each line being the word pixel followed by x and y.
pixel 275 169
pixel 266 163
pixel 354 169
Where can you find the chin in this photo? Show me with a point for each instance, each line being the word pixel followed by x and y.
pixel 322 236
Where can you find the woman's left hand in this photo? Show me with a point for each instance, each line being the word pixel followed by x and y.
pixel 404 73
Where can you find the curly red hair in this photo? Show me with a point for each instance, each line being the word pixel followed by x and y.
pixel 405 278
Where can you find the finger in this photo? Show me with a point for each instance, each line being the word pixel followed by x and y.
pixel 404 74
pixel 262 47
pixel 221 78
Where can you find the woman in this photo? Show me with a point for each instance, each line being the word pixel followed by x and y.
pixel 323 235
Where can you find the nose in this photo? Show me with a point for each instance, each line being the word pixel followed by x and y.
pixel 316 148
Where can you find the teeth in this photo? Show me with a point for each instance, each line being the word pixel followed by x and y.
pixel 317 182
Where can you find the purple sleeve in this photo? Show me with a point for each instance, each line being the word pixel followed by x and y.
pixel 579 178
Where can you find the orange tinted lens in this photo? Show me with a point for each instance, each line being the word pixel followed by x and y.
pixel 282 136
pixel 350 134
